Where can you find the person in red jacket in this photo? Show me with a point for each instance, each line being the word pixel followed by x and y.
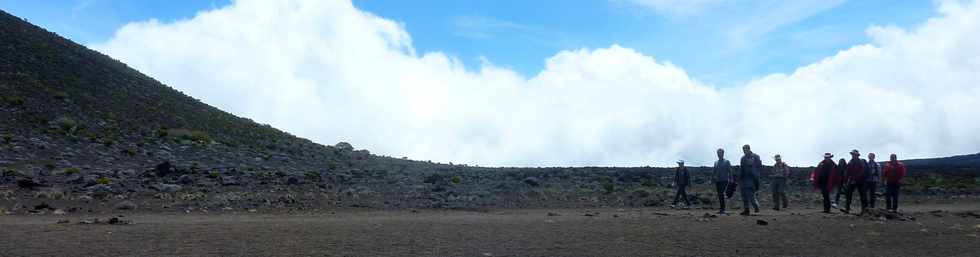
pixel 894 176
pixel 825 179
pixel 854 181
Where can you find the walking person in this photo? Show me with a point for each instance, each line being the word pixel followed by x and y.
pixel 854 182
pixel 838 188
pixel 894 176
pixel 748 177
pixel 871 179
pixel 722 174
pixel 682 178
pixel 825 179
pixel 779 175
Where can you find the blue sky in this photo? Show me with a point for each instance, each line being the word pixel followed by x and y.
pixel 721 43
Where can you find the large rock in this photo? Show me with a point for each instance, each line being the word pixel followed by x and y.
pixel 167 188
pixel 532 181
pixel 126 205
pixel 229 181
pixel 30 183
pixel 185 179
pixel 344 146
pixel 164 169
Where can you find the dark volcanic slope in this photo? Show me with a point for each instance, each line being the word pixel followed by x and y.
pixel 959 161
pixel 59 97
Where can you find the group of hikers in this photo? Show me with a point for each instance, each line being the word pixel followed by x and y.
pixel 842 178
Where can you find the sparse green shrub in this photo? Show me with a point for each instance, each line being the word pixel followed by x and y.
pixel 332 164
pixel 608 185
pixel 200 136
pixel 7 138
pixel 456 179
pixel 103 181
pixel 50 165
pixel 60 95
pixel 15 100
pixel 72 170
pixel 184 134
pixel 67 125
pixel 214 174
pixel 130 151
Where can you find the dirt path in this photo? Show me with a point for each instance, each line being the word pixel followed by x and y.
pixel 568 232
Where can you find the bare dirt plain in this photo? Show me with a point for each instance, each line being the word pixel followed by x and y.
pixel 937 230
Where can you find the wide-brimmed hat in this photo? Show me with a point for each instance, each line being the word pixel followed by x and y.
pixel 855 151
pixel 828 155
pixel 777 157
pixel 680 162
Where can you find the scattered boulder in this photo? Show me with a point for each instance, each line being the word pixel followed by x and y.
pixel 74 178
pixel 532 181
pixel 126 205
pixel 30 183
pixel 185 179
pixel 344 146
pixel 166 188
pixel 761 222
pixel 293 180
pixel 229 181
pixel 553 214
pixel 164 169
pixel 43 206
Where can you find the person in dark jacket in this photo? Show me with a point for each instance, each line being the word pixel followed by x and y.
pixel 748 178
pixel 894 177
pixel 721 174
pixel 840 189
pixel 871 179
pixel 682 178
pixel 824 179
pixel 854 182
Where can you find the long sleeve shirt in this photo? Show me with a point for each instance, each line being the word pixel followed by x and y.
pixel 872 172
pixel 682 177
pixel 780 171
pixel 748 175
pixel 894 173
pixel 722 171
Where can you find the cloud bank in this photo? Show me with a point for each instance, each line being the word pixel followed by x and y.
pixel 327 71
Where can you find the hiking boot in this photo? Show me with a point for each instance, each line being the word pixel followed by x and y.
pixel 745 213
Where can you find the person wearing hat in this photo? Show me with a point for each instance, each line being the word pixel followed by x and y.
pixel 779 175
pixel 871 179
pixel 854 181
pixel 894 176
pixel 682 178
pixel 824 178
pixel 748 177
pixel 722 174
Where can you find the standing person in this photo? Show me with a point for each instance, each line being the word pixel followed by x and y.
pixel 825 179
pixel 838 188
pixel 854 181
pixel 779 175
pixel 682 178
pixel 748 177
pixel 722 172
pixel 894 177
pixel 871 179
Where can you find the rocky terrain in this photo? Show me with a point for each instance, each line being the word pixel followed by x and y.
pixel 84 133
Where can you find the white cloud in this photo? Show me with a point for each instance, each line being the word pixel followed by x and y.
pixel 329 72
